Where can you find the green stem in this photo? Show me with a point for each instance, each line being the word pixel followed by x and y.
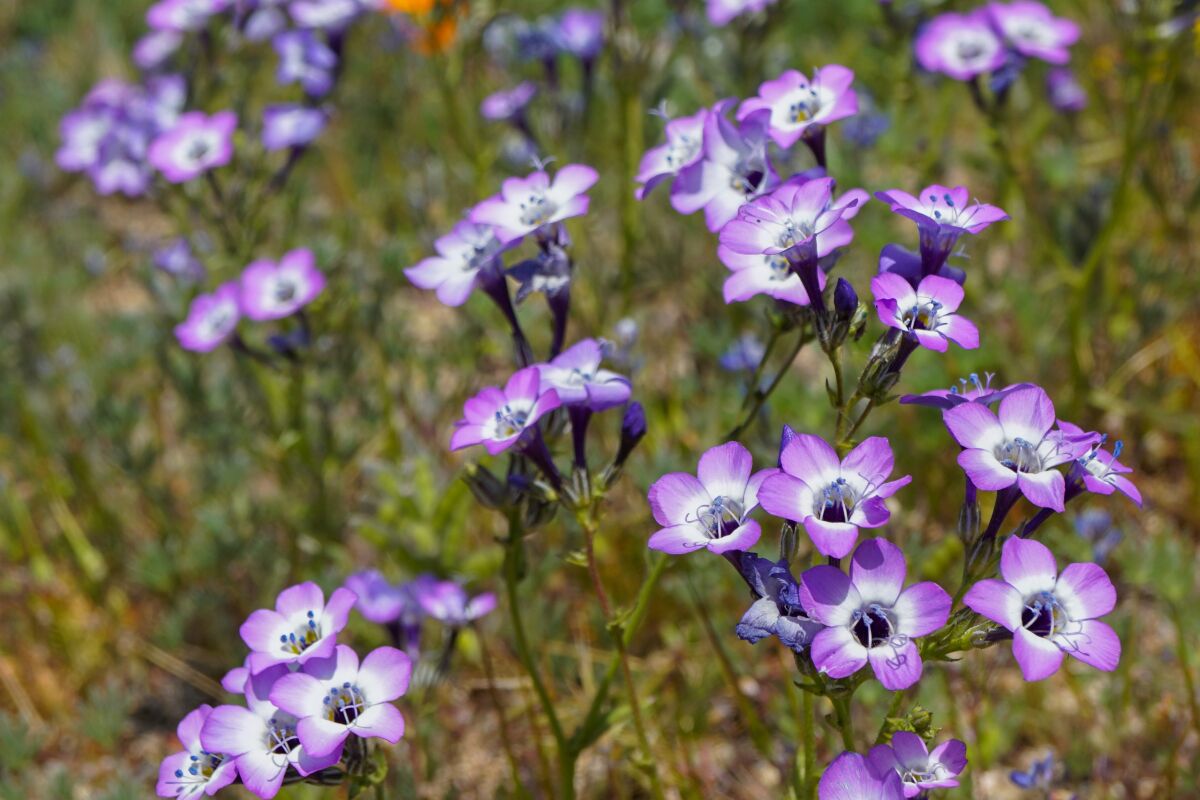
pixel 756 379
pixel 1181 652
pixel 809 740
pixel 841 708
pixel 893 710
pixel 760 395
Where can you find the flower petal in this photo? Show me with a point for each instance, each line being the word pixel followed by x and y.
pixel 676 497
pixel 1085 591
pixel 678 539
pixel 983 468
pixel 1046 489
pixel 1028 565
pixel 811 459
pixel 973 425
pixel 922 608
pixel 877 570
pixel 1038 658
pixel 1027 414
pixel 833 539
pixel 724 470
pixel 1095 644
pixel 384 674
pixel 896 668
pixel 828 595
pixel 743 538
pixel 996 600
pixel 837 653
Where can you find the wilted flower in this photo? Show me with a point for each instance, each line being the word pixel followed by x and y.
pixel 195 144
pixel 305 59
pixel 278 289
pixel 1032 30
pixel 1015 447
pixel 920 769
pixel 852 777
pixel 683 148
pixel 211 320
pixel 302 626
pixel 291 125
pixel 497 418
pixel 335 697
pixel 508 104
pixel 778 610
pixel 798 105
pixel 722 12
pixel 526 204
pixel 1047 612
pixel 449 603
pixel 942 215
pixel 194 772
pixel 871 617
pixel 926 313
pixel 832 498
pixel 962 46
pixel 711 509
pixel 182 16
pixel 463 255
pixel 576 376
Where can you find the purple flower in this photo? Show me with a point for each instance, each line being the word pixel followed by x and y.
pixel 262 20
pixel 1033 31
pixel 832 498
pixel 261 738
pixel 1016 447
pixel 1096 528
pixel 82 132
pixel 1039 776
pixel 211 320
pixel 777 611
pixel 278 289
pixel 576 376
pixel 962 46
pixel 897 260
pixel 335 697
pixel 194 771
pixel 733 171
pixel 183 16
pixel 178 259
pixel 871 617
pixel 326 15
pixel 155 48
pixel 235 680
pixel 744 354
pixel 498 419
pixel 305 59
pixel 508 104
pixel 379 600
pixel 120 164
pixel 1064 90
pixel 301 627
pixel 942 215
pixel 291 125
pixel 926 313
pixel 1098 469
pixel 683 148
pixel 711 509
pixel 449 604
pixel 526 204
pixel 581 33
pixel 455 271
pixel 1049 613
pixel 195 144
pixel 798 105
pixel 919 769
pixel 722 12
pixel 852 777
pixel 799 216
pixel 973 390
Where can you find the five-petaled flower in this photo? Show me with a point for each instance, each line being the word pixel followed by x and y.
pixel 302 626
pixel 211 320
pixel 1015 446
pixel 449 603
pixel 1032 30
pixel 683 148
pixel 194 771
pixel 926 313
pixel 832 498
pixel 498 418
pixel 920 769
pixel 942 216
pixel 1098 469
pixel 525 205
pixel 962 46
pixel 195 144
pixel 278 289
pixel 870 616
pixel 852 777
pixel 710 509
pixel 1049 613
pixel 798 105
pixel 576 376
pixel 463 256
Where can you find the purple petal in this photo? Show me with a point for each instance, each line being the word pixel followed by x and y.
pixel 383 721
pixel 877 571
pixel 232 730
pixel 1028 565
pixel 811 459
pixel 320 736
pixel 1095 644
pixel 1027 414
pixel 996 600
pixel 837 653
pixel 833 539
pixel 829 595
pixel 724 470
pixel 299 694
pixel 262 629
pixel 384 674
pixel 675 497
pixel 1046 489
pixel 896 668
pixel 261 775
pixel 300 599
pixel 1085 591
pixel 922 608
pixel 786 497
pixel 983 468
pixel 678 539
pixel 337 610
pixel 1038 658
pixel 743 538
pixel 973 425
pixel 850 777
pixel 872 460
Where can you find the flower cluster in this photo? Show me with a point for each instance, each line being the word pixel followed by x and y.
pixel 309 701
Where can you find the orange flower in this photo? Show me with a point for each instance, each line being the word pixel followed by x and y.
pixel 414 7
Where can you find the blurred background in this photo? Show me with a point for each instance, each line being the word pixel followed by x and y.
pixel 151 498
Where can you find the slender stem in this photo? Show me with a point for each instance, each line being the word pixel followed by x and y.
pixel 505 736
pixel 1181 652
pixel 867 409
pixel 808 738
pixel 893 710
pixel 756 379
pixel 835 360
pixel 761 395
pixel 841 708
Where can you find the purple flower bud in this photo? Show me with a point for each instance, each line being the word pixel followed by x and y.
pixel 633 429
pixel 845 299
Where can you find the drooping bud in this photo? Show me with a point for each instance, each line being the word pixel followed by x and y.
pixel 487 488
pixel 633 429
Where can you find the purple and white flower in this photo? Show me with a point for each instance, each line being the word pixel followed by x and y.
pixel 449 603
pixel 920 769
pixel 962 46
pixel 378 599
pixel 1099 470
pixel 709 510
pixel 580 32
pixel 942 216
pixel 179 260
pixel 778 611
pixel 184 16
pixel 798 105
pixel 525 205
pixel 897 260
pixel 1033 30
pixel 684 147
pixel 871 617
pixel 926 313
pixel 302 626
pixel 278 289
pixel 211 320
pixel 194 771
pixel 852 777
pixel 499 418
pixel 195 144
pixel 722 12
pixel 291 125
pixel 337 696
pixel 832 498
pixel 1015 447
pixel 1064 90
pixel 968 390
pixel 1049 613
pixel 576 376
pixel 333 16
pixel 508 104
pixel 463 254
pixel 733 171
pixel 261 738
pixel 155 48
pixel 305 59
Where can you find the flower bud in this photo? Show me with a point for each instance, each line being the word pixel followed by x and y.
pixel 633 429
pixel 845 299
pixel 487 488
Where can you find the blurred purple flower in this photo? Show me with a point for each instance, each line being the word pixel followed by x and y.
pixel 799 106
pixel 508 104
pixel 525 205
pixel 581 33
pixel 576 376
pixel 919 769
pixel 379 600
pixel 1033 31
pixel 1096 527
pixel 962 46
pixel 291 125
pixel 278 289
pixel 942 216
pixel 1039 776
pixel 852 777
pixel 155 48
pixel 327 15
pixel 1064 90
pixel 871 617
pixel 195 144
pixel 463 254
pixel 1098 469
pixel 927 313
pixel 305 59
pixel 183 16
pixel 449 603
pixel 1047 612
pixel 743 354
pixel 260 20
pixel 832 498
pixel 684 147
pixel 709 511
pixel 722 12
pixel 179 260
pixel 302 626
pixel 498 419
pixel 194 771
pixel 211 320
